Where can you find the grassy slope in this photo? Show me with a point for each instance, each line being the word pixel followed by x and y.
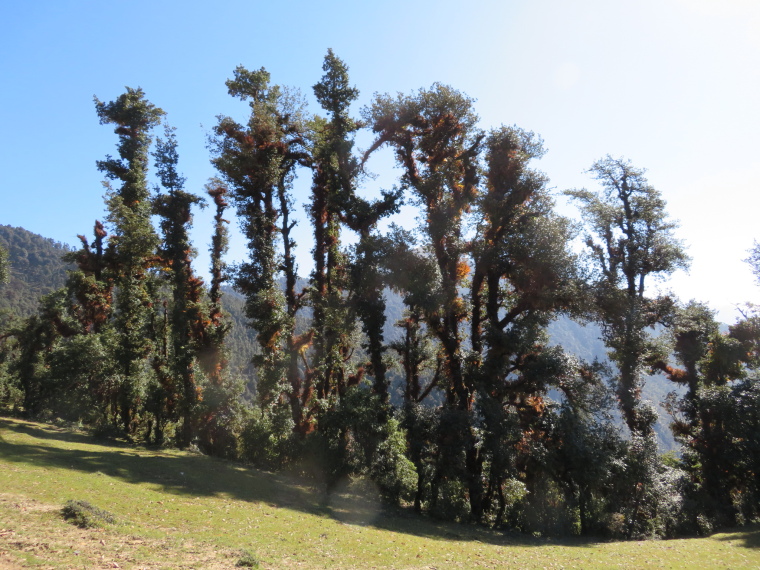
pixel 179 510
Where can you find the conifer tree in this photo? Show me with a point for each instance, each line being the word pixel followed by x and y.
pixel 335 171
pixel 133 241
pixel 186 315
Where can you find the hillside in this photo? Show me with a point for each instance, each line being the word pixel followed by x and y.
pixel 180 510
pixel 36 269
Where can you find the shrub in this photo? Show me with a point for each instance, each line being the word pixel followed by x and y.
pixel 451 502
pixel 267 439
pixel 394 474
pixel 248 560
pixel 85 515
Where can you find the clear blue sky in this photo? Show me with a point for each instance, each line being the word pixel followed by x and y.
pixel 673 85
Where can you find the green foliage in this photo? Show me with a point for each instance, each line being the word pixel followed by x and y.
pixel 248 560
pixel 132 243
pixel 630 240
pixel 85 515
pixel 34 268
pixel 463 408
pixel 267 439
pixel 85 378
pixel 223 414
pixel 186 319
pixel 4 264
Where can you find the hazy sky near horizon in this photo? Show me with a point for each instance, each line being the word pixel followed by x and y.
pixel 672 85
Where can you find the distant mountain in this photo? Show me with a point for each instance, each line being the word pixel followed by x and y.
pixel 36 269
pixel 584 341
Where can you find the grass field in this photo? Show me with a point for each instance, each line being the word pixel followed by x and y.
pixel 182 510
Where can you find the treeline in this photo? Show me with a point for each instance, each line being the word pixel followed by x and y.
pixel 134 343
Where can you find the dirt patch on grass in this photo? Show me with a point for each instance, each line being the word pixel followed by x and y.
pixel 33 534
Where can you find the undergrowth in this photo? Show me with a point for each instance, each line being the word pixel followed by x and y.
pixel 85 515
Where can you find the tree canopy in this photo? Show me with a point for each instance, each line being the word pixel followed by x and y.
pixel 460 405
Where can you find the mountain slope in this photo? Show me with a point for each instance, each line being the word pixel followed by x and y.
pixel 36 269
pixel 584 341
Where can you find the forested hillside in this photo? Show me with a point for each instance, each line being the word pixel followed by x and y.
pixel 36 269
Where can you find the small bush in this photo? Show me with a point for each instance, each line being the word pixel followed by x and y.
pixel 452 503
pixel 85 515
pixel 614 525
pixel 248 560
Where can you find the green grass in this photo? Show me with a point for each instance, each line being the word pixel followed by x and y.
pixel 182 510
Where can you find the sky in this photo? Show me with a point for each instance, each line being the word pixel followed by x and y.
pixel 671 85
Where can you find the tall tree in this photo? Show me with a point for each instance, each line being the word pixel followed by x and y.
pixel 523 276
pixel 212 353
pixel 631 242
pixel 517 265
pixel 436 141
pixel 187 320
pixel 133 239
pixel 258 161
pixel 335 171
pixel 717 412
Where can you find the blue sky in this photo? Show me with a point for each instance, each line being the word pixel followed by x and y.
pixel 672 85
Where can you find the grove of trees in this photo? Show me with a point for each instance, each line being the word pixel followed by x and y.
pixel 467 412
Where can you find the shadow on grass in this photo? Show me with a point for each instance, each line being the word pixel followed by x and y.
pixel 199 475
pixel 748 538
pixel 45 431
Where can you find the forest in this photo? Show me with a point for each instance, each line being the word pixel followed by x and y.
pixel 467 412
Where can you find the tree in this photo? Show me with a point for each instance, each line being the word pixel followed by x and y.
pixel 436 142
pixel 133 240
pixel 524 275
pixel 754 260
pixel 519 271
pixel 435 139
pixel 212 357
pixel 631 240
pixel 257 161
pixel 335 170
pixel 716 418
pixel 221 400
pixel 187 321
